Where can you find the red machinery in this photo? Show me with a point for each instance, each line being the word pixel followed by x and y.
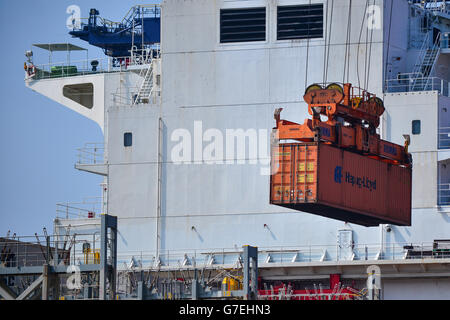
pixel 353 116
pixel 336 291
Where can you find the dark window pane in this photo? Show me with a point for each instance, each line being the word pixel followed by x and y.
pixel 128 139
pixel 416 127
pixel 300 22
pixel 240 25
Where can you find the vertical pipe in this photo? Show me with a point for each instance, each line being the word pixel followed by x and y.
pixel 55 258
pixel 246 273
pixel 382 240
pixel 142 31
pixel 45 282
pixel 158 203
pixel 47 238
pixel 250 273
pixel 103 258
pixel 113 271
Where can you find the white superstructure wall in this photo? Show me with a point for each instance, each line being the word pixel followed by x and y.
pixel 210 88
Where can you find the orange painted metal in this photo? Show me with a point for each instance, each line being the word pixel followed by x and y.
pixel 352 104
pixel 353 116
pixel 332 182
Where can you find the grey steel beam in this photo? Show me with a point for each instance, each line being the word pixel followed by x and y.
pixel 45 282
pixel 39 269
pixel 108 271
pixel 6 292
pixel 83 268
pixel 250 273
pixel 31 288
pixel 20 271
pixel 142 290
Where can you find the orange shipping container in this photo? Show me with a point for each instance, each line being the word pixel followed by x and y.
pixel 340 184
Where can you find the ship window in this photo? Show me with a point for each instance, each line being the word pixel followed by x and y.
pixel 241 25
pixel 128 139
pixel 416 127
pixel 300 22
pixel 82 93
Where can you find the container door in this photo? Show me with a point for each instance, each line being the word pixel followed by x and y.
pixel 282 174
pixel 345 245
pixel 306 173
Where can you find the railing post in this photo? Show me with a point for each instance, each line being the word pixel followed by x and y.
pixel 393 250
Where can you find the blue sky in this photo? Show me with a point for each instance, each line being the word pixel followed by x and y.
pixel 38 136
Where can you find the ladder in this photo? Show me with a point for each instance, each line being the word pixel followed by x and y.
pixel 425 64
pixel 146 89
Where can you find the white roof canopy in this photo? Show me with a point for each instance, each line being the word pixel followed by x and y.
pixel 59 47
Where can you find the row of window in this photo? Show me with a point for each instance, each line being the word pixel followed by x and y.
pixel 128 136
pixel 293 22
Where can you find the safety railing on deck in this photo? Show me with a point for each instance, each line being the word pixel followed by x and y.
pixel 444 194
pixel 411 84
pixel 141 57
pixel 91 153
pixel 89 208
pixel 278 255
pixel 444 138
pixel 37 250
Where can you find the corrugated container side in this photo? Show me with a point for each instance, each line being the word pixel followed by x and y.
pixel 339 184
pixel 371 187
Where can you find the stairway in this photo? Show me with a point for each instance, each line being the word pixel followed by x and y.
pixel 145 91
pixel 428 62
pixel 424 66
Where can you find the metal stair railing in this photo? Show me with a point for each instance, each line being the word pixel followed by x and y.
pixel 435 54
pixel 428 63
pixel 146 87
pixel 421 57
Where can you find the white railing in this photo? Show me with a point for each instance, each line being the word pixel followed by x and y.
pixel 418 84
pixel 91 153
pixel 141 57
pixel 230 257
pixel 433 5
pixel 28 251
pixel 444 138
pixel 422 53
pixel 428 62
pixel 87 209
pixel 437 6
pixel 147 91
pixel 444 194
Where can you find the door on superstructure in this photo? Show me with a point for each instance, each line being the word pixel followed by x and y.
pixel 345 245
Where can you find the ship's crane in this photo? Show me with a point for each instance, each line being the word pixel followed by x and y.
pixel 353 115
pixel 139 29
